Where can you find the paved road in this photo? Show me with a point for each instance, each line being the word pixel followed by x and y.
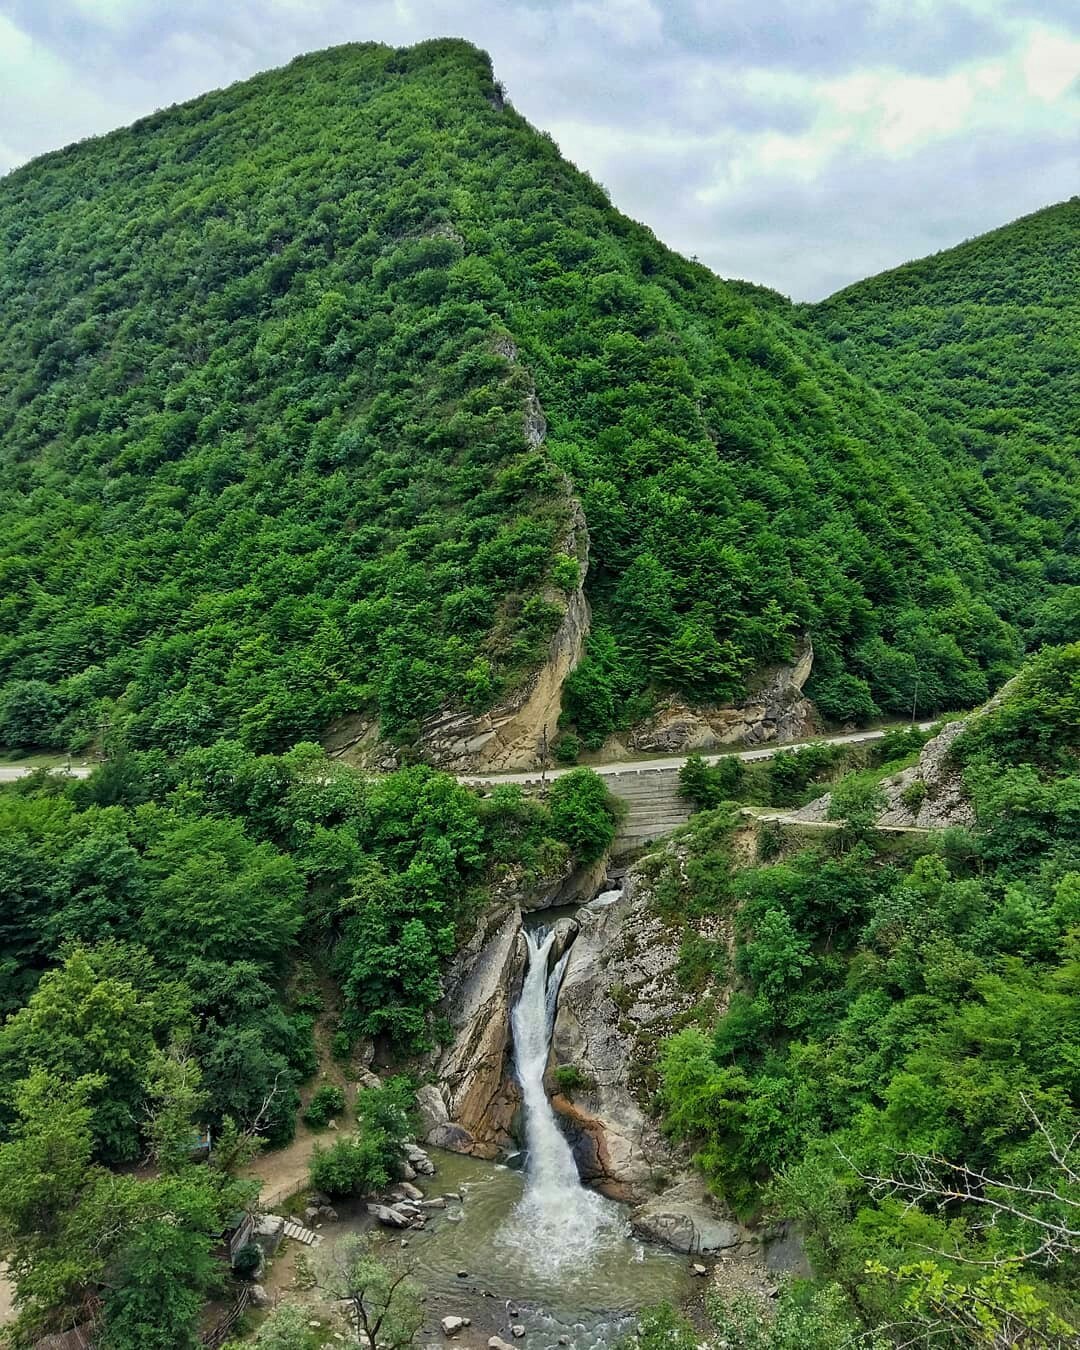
pixel 10 772
pixel 677 761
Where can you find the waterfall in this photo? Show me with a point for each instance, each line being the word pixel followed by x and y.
pixel 558 1222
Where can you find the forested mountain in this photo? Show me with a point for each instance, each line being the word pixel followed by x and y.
pixel 269 451
pixel 982 342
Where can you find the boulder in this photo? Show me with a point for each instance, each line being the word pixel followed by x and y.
pixel 452 1325
pixel 455 1139
pixel 409 1191
pixel 419 1160
pixel 687 1219
pixel 436 1202
pixel 390 1216
pixel 430 1109
pixel 269 1230
pixel 517 1330
pixel 497 1343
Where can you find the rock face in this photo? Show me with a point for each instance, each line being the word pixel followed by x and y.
pixel 686 1218
pixel 478 1093
pixel 775 711
pixel 619 997
pixel 510 736
pixel 928 796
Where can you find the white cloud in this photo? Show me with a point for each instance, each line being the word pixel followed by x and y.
pixel 1051 64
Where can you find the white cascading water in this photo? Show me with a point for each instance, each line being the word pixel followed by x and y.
pixel 558 1223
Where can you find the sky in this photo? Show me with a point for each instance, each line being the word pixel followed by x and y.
pixel 801 144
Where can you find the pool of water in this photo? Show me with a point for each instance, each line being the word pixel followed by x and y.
pixel 508 1280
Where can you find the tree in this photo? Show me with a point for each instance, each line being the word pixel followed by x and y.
pixel 385 1303
pixel 84 1022
pixel 583 813
pixel 30 715
pixel 856 803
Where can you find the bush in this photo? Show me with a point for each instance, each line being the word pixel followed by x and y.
pixel 583 814
pixel 328 1102
pixel 352 1165
pixel 569 1078
pixel 567 748
pixel 30 715
pixel 247 1260
pixel 388 1110
pixel 914 795
pixel 707 785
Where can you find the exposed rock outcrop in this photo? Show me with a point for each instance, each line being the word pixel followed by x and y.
pixel 478 1093
pixel 928 796
pixel 619 997
pixel 510 736
pixel 566 886
pixel 687 1218
pixel 775 711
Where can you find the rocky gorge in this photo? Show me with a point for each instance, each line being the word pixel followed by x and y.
pixel 620 995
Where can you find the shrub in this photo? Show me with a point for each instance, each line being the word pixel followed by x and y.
pixel 247 1260
pixel 914 795
pixel 328 1102
pixel 569 1078
pixel 388 1110
pixel 30 715
pixel 566 748
pixel 352 1165
pixel 583 813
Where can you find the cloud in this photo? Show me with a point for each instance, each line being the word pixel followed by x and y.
pixel 799 143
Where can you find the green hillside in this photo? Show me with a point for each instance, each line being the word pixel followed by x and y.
pixel 982 342
pixel 268 451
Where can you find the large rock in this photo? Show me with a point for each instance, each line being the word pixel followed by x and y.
pixel 620 997
pixel 430 1108
pixel 928 796
pixel 775 711
pixel 391 1216
pixel 687 1219
pixel 480 1095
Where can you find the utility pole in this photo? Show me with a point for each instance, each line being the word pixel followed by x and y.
pixel 543 758
pixel 915 696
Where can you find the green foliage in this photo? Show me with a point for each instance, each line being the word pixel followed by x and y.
pixel 569 1078
pixel 286 1329
pixel 30 715
pixel 857 801
pixel 76 1231
pixel 583 813
pixel 351 1165
pixel 363 1162
pixel 566 748
pixel 707 785
pixel 387 1306
pixel 976 341
pixel 328 1102
pixel 281 463
pixel 889 1010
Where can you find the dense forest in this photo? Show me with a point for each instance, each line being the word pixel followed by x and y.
pixel 898 1063
pixel 169 933
pixel 270 454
